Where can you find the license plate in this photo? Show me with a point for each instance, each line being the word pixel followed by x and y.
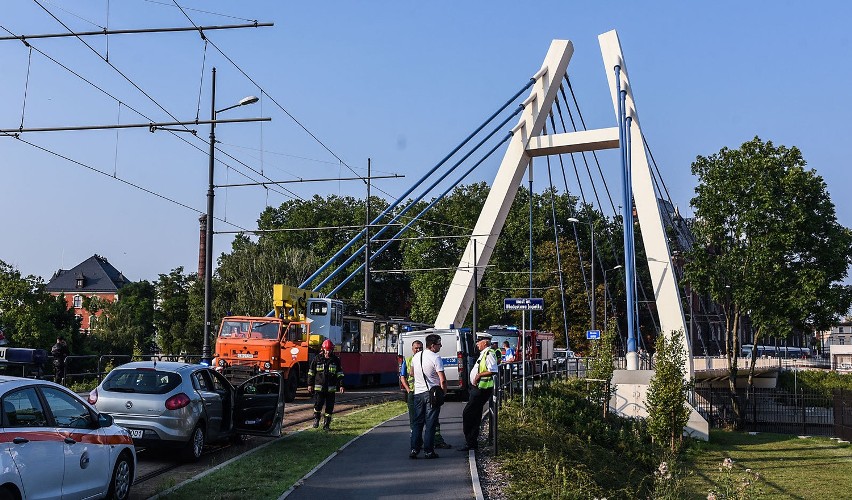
pixel 136 433
pixel 245 355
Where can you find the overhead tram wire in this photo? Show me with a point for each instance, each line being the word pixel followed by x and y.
pixel 426 209
pixel 200 10
pixel 378 218
pixel 131 82
pixel 425 192
pixel 107 174
pixel 16 134
pixel 116 99
pixel 262 91
pixel 105 31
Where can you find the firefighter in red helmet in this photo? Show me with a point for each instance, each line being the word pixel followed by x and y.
pixel 325 377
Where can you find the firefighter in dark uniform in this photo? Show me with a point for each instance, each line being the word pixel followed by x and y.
pixel 325 377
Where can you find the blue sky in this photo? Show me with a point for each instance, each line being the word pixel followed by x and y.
pixel 399 82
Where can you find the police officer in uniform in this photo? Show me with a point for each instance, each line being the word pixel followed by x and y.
pixel 325 377
pixel 481 388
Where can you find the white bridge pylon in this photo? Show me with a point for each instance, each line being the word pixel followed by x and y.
pixel 528 142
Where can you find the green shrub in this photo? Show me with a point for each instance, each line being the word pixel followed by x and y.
pixel 83 385
pixel 559 446
pixel 820 381
pixel 667 409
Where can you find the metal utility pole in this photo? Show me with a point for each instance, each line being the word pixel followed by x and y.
pixel 367 244
pixel 208 251
pixel 475 286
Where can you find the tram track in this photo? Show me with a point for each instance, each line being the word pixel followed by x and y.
pixel 155 469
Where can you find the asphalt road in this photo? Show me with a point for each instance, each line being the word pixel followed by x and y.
pixel 377 466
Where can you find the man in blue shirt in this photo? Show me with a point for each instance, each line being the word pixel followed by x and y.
pixel 508 353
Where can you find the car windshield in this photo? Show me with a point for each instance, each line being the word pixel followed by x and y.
pixel 265 329
pixel 234 329
pixel 143 381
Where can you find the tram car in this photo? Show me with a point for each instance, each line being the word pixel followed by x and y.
pixel 368 349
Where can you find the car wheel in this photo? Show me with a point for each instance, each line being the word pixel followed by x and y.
pixel 195 444
pixel 9 493
pixel 119 486
pixel 292 386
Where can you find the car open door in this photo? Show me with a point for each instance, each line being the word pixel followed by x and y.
pixel 259 405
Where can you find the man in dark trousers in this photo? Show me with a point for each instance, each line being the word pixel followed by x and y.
pixel 428 370
pixel 481 389
pixel 325 377
pixel 59 351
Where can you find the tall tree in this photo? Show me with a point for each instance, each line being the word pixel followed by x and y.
pixel 769 244
pixel 244 278
pixel 127 326
pixel 29 315
pixel 172 312
pixel 668 412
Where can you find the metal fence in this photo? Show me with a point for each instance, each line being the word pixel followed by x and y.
pixel 843 414
pixel 522 378
pixel 803 412
pixel 96 366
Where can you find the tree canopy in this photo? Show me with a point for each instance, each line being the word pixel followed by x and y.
pixel 768 243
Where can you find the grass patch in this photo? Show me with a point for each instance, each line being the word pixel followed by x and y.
pixel 286 460
pixel 789 467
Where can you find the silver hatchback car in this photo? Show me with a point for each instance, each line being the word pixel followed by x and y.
pixel 185 406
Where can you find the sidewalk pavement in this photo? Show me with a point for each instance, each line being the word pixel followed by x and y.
pixel 376 465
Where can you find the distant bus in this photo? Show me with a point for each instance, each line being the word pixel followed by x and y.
pixel 771 351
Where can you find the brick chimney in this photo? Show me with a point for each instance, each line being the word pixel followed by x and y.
pixel 202 246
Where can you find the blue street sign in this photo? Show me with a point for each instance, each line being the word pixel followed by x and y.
pixel 523 304
pixel 593 334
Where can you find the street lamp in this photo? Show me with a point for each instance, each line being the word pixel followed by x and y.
pixel 606 287
pixel 592 258
pixel 208 242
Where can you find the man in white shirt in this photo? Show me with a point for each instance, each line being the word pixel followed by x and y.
pixel 428 371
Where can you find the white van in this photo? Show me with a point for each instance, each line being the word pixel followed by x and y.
pixel 458 353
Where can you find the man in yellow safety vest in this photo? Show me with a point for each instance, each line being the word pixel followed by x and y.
pixel 481 388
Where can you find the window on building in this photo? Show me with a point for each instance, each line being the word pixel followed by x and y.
pixel 842 340
pixel 78 301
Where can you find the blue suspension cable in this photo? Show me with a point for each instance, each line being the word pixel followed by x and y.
pixel 411 205
pixel 627 213
pixel 414 219
pixel 399 200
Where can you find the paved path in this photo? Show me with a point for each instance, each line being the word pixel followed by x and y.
pixel 377 466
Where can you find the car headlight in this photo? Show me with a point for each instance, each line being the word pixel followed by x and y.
pixel 222 363
pixel 267 365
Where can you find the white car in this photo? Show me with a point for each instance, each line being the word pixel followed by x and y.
pixel 55 445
